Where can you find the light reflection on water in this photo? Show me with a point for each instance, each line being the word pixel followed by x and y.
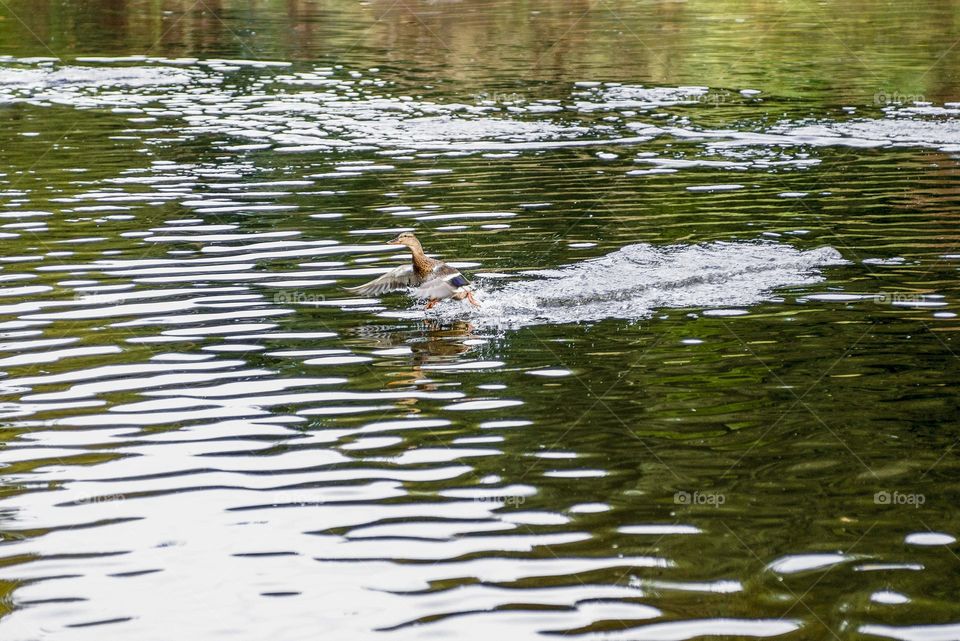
pixel 710 390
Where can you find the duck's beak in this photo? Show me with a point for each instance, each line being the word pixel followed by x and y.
pixel 395 241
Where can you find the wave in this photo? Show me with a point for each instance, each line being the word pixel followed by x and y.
pixel 635 281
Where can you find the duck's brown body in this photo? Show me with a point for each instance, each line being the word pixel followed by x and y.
pixel 434 280
pixel 422 264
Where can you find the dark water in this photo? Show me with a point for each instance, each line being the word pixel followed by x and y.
pixel 712 389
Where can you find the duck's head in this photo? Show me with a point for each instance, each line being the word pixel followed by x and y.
pixel 406 238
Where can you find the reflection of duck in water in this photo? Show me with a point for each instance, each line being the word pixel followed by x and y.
pixel 432 279
pixel 429 343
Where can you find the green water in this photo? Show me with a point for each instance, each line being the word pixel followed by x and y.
pixel 694 425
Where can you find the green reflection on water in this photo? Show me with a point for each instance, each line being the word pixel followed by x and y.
pixel 796 413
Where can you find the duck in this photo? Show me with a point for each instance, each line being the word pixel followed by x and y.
pixel 431 279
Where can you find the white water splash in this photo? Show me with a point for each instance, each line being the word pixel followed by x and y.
pixel 633 282
pixel 45 82
pixel 318 111
pixel 613 97
pixel 325 109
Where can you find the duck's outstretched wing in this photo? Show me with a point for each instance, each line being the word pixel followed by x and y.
pixel 400 278
pixel 443 282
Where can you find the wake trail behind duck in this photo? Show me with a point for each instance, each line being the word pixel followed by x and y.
pixel 635 281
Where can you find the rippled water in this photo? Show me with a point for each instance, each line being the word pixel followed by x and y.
pixel 711 389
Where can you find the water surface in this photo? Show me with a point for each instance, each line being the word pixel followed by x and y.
pixel 711 390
